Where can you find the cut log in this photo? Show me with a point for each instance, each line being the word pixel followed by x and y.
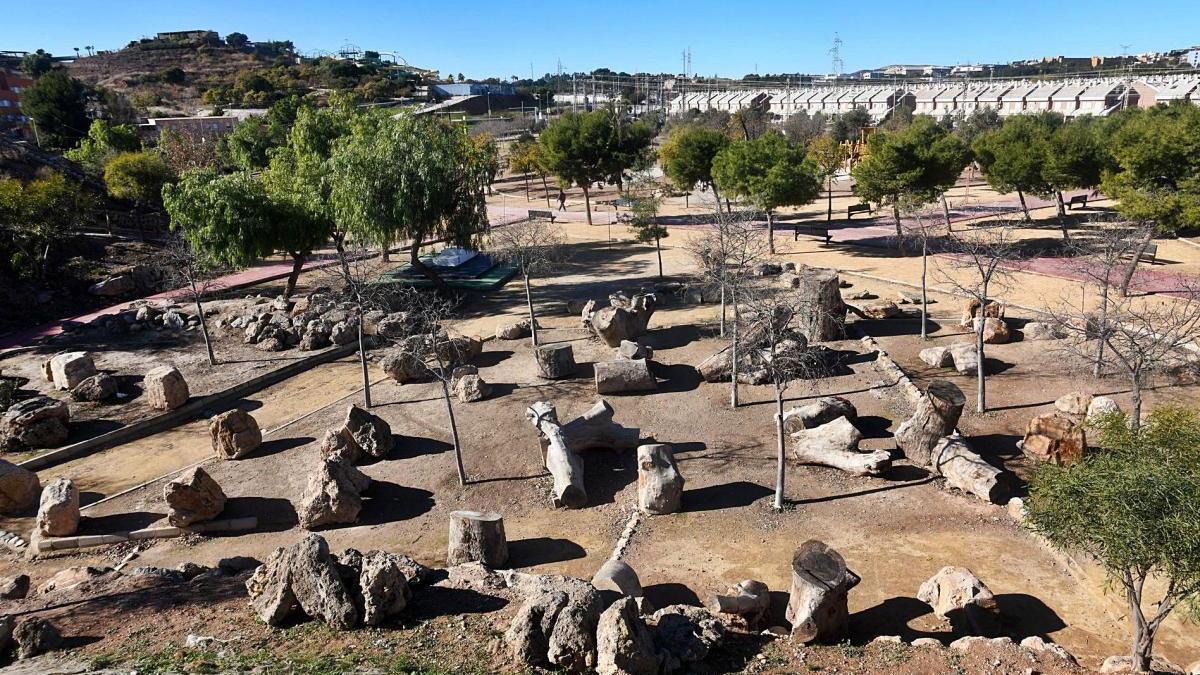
pixel 660 485
pixel 555 361
pixel 561 444
pixel 750 600
pixel 936 416
pixel 835 444
pixel 817 606
pixel 477 537
pixel 823 316
pixel 953 459
pixel 821 411
pixel 614 377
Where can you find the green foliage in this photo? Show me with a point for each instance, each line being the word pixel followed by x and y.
pixel 524 155
pixel 585 148
pixel 173 75
pixel 687 155
pixel 1075 156
pixel 57 103
pixel 137 176
pixel 37 63
pixel 849 125
pixel 913 166
pixel 901 117
pixel 104 141
pixel 300 172
pixel 827 154
pixel 1013 157
pixel 748 123
pixel 237 40
pixel 803 128
pixel 36 216
pixel 1156 154
pixel 979 122
pixel 770 171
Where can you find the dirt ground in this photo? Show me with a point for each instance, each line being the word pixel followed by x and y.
pixel 894 531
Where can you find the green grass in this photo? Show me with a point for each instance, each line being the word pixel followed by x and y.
pixel 268 663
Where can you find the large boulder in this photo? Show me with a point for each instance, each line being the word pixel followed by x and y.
pixel 71 368
pixel 99 387
pixel 617 578
pixel 39 422
pixel 1074 404
pixel 402 366
pixel 121 284
pixel 14 588
pixel 624 319
pixel 513 330
pixel 303 576
pixel 58 509
pixel 333 494
pixel 624 645
pixel 821 411
pixel 971 311
pixel 995 331
pixel 1039 330
pixel 369 433
pixel 193 498
pixel 36 636
pixel 19 488
pixel 1055 438
pixel 956 594
pixel 965 358
pixel 165 388
pixel 378 583
pixel 556 625
pixel 471 387
pixel 937 357
pixel 684 635
pixel 235 434
pixel 623 375
pixel 1101 405
pixel 881 310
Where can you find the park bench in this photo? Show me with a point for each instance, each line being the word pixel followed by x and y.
pixel 813 230
pixel 1077 200
pixel 1149 255
pixel 535 214
pixel 857 208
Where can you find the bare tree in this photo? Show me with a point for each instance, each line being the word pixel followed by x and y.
pixel 725 258
pixel 920 228
pixel 982 259
pixel 196 274
pixel 533 246
pixel 1140 335
pixel 356 278
pixel 775 347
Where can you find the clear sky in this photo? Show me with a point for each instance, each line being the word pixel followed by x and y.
pixel 730 38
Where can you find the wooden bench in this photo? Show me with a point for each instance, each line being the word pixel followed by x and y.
pixel 1149 255
pixel 858 208
pixel 541 215
pixel 1077 200
pixel 812 230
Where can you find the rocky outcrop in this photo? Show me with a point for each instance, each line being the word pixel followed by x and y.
pixel 624 645
pixel 625 318
pixel 362 434
pixel 193 498
pixel 1054 438
pixel 556 625
pixel 58 509
pixel 303 576
pixel 684 635
pixel 39 422
pixel 36 636
pixel 165 388
pixel 333 494
pixel 19 489
pixel 234 434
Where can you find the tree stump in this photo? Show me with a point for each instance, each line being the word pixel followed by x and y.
pixel 962 468
pixel 660 485
pixel 477 537
pixel 555 361
pixel 936 416
pixel 614 377
pixel 824 315
pixel 561 444
pixel 817 607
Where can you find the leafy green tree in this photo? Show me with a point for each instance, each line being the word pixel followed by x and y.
pixel 1156 155
pixel 237 40
pixel 410 179
pixel 1013 157
pixel 37 63
pixel 487 157
pixel 1135 507
pixel 900 117
pixel 687 157
pixel 829 156
pixel 245 148
pixel 748 123
pixel 849 125
pixel 586 148
pixel 57 103
pixel 771 172
pixel 104 141
pixel 912 167
pixel 979 122
pixel 525 157
pixel 232 220
pixel 1074 159
pixel 138 177
pixel 39 215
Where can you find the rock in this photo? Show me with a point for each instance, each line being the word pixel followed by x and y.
pixel 821 411
pixel 881 310
pixel 235 434
pixel 402 366
pixel 460 349
pixel 750 600
pixel 101 387
pixel 471 388
pixel 1037 330
pixel 14 588
pixel 1038 645
pixel 477 537
pixel 515 330
pixel 69 369
pixel 1101 405
pixel 685 635
pixel 282 303
pixel 555 361
pixel 624 645
pixel 39 422
pixel 305 576
pixel 556 625
pixel 634 350
pixel 381 589
pixel 964 644
pixel 333 494
pixel 817 605
pixel 394 326
pixel 1124 664
pixel 971 311
pixel 617 577
pixel 768 269
pixel 314 340
pixel 624 375
pixel 937 357
pixel 19 488
pixel 165 388
pixel 58 510
pixel 908 298
pixel 371 434
pixel 995 331
pixel 625 319
pixel 193 498
pixel 1054 438
pixel 927 642
pixel 1016 509
pixel 965 358
pixel 1075 403
pixel 956 594
pixel 861 295
pixel 343 333
pixel 36 636
pixel 660 485
pixel 113 286
pixel 824 313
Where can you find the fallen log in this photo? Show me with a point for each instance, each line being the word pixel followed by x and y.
pixel 936 416
pixel 962 468
pixel 44 544
pixel 749 600
pixel 835 444
pixel 561 444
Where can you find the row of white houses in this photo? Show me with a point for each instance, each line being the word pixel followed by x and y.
pixel 1069 97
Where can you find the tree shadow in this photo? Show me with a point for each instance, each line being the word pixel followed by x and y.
pixel 607 472
pixel 273 514
pixel 490 358
pixel 675 378
pixel 738 494
pixel 672 337
pixel 688 446
pixel 388 503
pixel 863 493
pixel 542 551
pixel 118 522
pixel 994 366
pixel 82 430
pixel 278 445
pixel 407 447
pixel 87 497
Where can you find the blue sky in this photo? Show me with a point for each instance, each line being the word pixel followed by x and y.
pixel 731 38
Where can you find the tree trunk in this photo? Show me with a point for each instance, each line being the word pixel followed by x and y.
pixel 362 359
pixel 716 195
pixel 527 197
pixel 462 473
pixel 529 304
pixel 1143 637
pixel 546 190
pixel 722 309
pixel 587 201
pixel 658 250
pixel 780 451
pixel 946 213
pixel 771 232
pixel 1062 217
pixel 829 208
pixel 924 286
pixel 1135 395
pixel 212 358
pixel 414 259
pixel 733 363
pixel 477 537
pixel 294 275
pixel 899 228
pixel 1098 367
pixel 1137 255
pixel 1024 206
pixel 980 389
